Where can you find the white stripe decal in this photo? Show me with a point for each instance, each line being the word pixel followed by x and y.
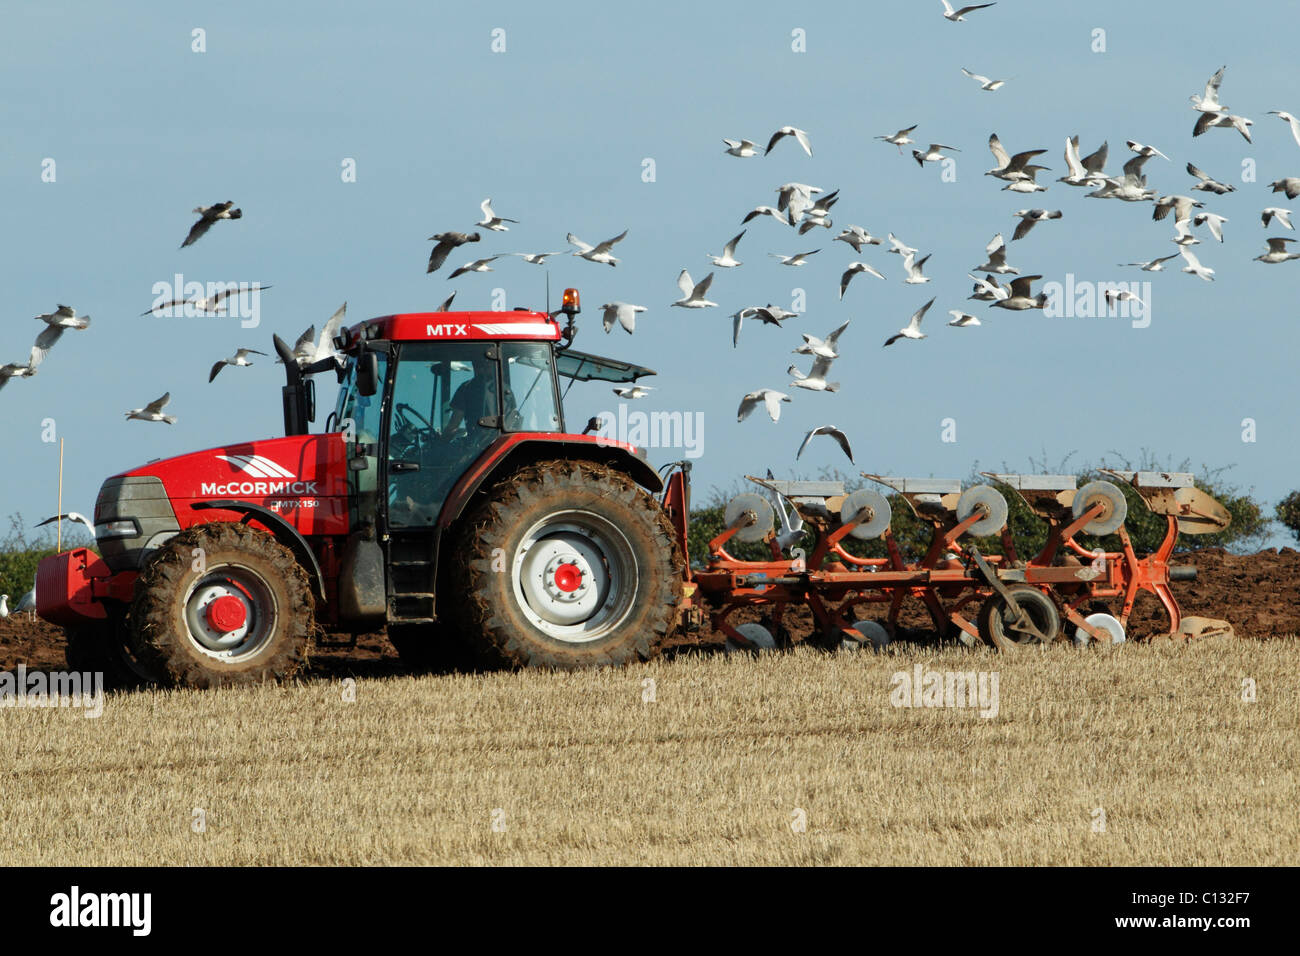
pixel 515 328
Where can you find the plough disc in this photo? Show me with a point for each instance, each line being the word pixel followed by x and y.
pixel 1104 622
pixel 759 637
pixel 762 509
pixel 877 523
pixel 1114 511
pixel 987 500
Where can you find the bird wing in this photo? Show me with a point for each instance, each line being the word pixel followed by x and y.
pixel 999 153
pixel 1199 174
pixel 702 287
pixel 1278 244
pixel 802 139
pixel 1095 162
pixel 918 315
pixel 216 368
pixel 834 337
pixel 608 244
pixel 1204 122
pixel 804 444
pixel 575 241
pixel 747 405
pixel 1019 160
pixel 996 243
pixel 438 254
pixel 196 231
pixel 773 399
pixel 776 138
pixel 1072 161
pixel 45 341
pixel 1212 86
pixel 821 366
pixel 685 284
pixel 976 76
pixel 729 250
pixel 840 437
pixel 1021 286
pixel 1023 228
pixel 158 404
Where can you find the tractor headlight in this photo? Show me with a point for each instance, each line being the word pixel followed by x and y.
pixel 120 528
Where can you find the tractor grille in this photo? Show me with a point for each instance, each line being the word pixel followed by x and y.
pixel 143 499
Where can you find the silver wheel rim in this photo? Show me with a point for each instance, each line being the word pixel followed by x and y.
pixel 260 613
pixel 575 576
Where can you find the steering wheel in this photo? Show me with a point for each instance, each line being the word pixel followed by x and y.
pixel 407 417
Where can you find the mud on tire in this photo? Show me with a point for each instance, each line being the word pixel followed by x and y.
pixel 171 630
pixel 567 564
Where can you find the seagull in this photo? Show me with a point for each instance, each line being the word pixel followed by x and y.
pixel 1010 168
pixel 900 247
pixel 932 154
pixel 60 320
pixel 996 250
pixel 1223 120
pixel 211 305
pixel 985 83
pixel 728 258
pixel 76 517
pixel 693 293
pixel 4 606
pixel 1194 266
pixel 1281 215
pixel 1116 296
pixel 597 253
pixel 620 312
pixel 798 259
pixel 1146 152
pixel 1277 251
pixel 240 358
pixel 1209 102
pixel 153 411
pixel 959 15
pixel 913 328
pixel 833 432
pixel 770 398
pixel 13 370
pixel 857 237
pixel 446 303
pixel 757 211
pixel 768 315
pixel 1208 184
pixel 1079 174
pixel 798 134
pixel 1181 205
pixel 853 269
pixel 491 220
pixel 1215 222
pixel 207 216
pixel 1029 217
pixel 900 139
pixel 447 241
pixel 823 347
pixel 914 276
pixel 741 147
pixel 815 380
pixel 1290 185
pixel 1027 183
pixel 962 319
pixel 634 391
pixel 791 528
pixel 536 258
pixel 308 350
pixel 1153 265
pixel 988 289
pixel 1021 297
pixel 794 199
pixel 478 265
pixel 1183 233
pixel 1294 123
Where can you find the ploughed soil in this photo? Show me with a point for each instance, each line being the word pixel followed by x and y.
pixel 1259 594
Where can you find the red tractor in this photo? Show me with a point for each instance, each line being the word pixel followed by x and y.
pixel 444 501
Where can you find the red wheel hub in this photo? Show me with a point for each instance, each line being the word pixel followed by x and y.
pixel 226 614
pixel 568 577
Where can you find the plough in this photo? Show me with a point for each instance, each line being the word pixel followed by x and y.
pixel 1007 600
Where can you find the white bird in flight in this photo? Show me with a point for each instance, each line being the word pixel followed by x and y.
pixel 478 265
pixel 857 237
pixel 1223 121
pixel 1209 101
pixel 14 370
pixel 693 293
pixel 1208 184
pixel 1281 215
pixel 769 398
pixel 913 267
pixel 153 411
pixel 798 259
pixel 1012 168
pixel 211 305
pixel 597 253
pixel 742 148
pixel 815 380
pixel 853 269
pixel 800 136
pixel 900 139
pixel 832 432
pixel 633 391
pixel 728 258
pixel 622 313
pixel 984 82
pixel 536 258
pixel 1030 217
pixel 57 322
pixel 962 319
pixel 959 15
pixel 1290 185
pixel 491 220
pixel 1152 265
pixel 932 154
pixel 1194 266
pixel 1213 221
pixel 240 359
pixel 1277 250
pixel 913 328
pixel 308 349
pixel 1087 171
pixel 900 247
pixel 207 216
pixel 1022 297
pixel 824 347
pixel 996 251
pixel 76 517
pixel 1291 121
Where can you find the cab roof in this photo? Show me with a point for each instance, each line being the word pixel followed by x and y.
pixel 519 324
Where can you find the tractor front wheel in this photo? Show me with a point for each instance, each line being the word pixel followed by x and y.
pixel 568 564
pixel 222 604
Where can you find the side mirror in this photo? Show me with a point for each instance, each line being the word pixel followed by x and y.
pixel 367 373
pixel 311 399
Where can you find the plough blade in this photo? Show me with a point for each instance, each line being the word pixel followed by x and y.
pixel 1194 627
pixel 1175 493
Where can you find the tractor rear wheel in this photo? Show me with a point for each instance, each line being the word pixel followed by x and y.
pixel 567 564
pixel 222 604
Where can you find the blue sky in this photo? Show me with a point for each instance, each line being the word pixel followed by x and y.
pixel 556 128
